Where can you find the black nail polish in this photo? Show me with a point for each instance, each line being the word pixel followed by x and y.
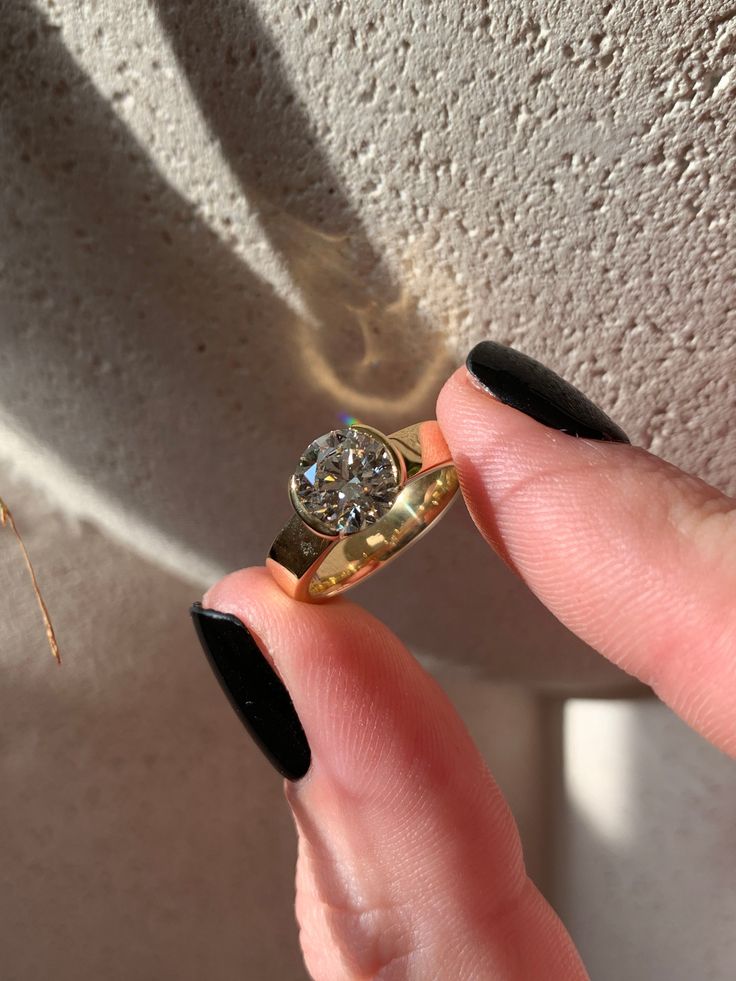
pixel 255 690
pixel 523 383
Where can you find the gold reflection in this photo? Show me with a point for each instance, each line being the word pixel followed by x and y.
pixel 420 503
pixel 310 566
pixel 363 340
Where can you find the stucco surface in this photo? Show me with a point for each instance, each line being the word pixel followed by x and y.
pixel 226 225
pixel 229 224
pixel 142 836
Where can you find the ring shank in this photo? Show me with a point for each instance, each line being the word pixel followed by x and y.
pixel 311 567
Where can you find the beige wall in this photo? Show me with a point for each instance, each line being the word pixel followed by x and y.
pixel 224 225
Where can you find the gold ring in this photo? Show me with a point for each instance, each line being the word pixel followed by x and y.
pixel 359 497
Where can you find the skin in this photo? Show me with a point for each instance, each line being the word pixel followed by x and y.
pixel 410 865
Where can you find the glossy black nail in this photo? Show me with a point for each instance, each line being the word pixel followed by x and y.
pixel 255 690
pixel 523 383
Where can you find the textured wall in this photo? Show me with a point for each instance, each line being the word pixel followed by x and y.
pixel 225 224
pixel 228 223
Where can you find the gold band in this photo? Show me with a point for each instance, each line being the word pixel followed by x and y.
pixel 310 566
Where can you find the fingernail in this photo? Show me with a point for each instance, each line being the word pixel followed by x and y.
pixel 523 383
pixel 255 690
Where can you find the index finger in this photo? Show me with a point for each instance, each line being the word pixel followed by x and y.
pixel 632 554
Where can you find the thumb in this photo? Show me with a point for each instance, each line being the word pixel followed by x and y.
pixel 632 554
pixel 409 860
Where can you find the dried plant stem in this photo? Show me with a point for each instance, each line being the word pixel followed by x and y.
pixel 6 520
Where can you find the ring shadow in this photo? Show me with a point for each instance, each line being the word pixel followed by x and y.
pixel 174 378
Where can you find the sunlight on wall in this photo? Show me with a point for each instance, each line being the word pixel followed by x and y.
pixel 76 497
pixel 597 765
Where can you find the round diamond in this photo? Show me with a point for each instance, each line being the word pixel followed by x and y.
pixel 345 481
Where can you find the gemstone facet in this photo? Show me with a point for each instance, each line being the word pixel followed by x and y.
pixel 345 481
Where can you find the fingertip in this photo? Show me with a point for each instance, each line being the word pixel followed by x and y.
pixel 236 591
pixel 452 392
pixel 242 662
pixel 627 551
pixel 467 410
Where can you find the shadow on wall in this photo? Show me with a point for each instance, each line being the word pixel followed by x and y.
pixel 143 834
pixel 172 376
pixel 643 857
pixel 145 316
pixel 363 343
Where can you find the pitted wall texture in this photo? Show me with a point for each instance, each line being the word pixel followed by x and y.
pixel 227 224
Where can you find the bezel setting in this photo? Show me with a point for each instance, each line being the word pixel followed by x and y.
pixel 346 480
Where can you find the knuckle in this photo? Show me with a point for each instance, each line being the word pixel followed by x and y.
pixel 347 941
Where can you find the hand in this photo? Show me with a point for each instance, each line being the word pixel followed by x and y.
pixel 409 864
